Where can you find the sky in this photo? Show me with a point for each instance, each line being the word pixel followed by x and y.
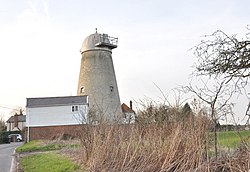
pixel 40 42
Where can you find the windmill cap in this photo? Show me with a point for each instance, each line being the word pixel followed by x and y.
pixel 98 41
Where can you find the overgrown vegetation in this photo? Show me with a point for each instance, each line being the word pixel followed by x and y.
pixel 156 148
pixel 142 148
pixel 164 139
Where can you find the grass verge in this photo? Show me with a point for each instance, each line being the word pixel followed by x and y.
pixel 47 162
pixel 38 145
pixel 40 160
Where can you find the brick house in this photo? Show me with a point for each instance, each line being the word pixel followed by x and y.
pixel 16 122
pixel 51 117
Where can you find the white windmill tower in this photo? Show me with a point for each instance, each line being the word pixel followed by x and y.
pixel 97 77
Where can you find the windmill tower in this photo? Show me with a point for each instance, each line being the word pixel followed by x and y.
pixel 97 77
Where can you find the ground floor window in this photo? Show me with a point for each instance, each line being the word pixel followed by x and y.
pixel 74 108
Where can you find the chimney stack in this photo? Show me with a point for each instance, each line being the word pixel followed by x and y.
pixel 131 104
pixel 16 120
pixel 21 112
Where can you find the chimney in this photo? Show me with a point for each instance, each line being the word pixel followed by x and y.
pixel 131 104
pixel 16 120
pixel 21 112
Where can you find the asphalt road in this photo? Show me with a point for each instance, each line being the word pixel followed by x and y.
pixel 6 155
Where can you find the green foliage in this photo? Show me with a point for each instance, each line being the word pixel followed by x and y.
pixel 33 145
pixel 157 114
pixel 3 126
pixel 37 145
pixel 186 111
pixel 4 135
pixel 153 113
pixel 232 139
pixel 47 162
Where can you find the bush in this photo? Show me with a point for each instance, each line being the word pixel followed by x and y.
pixel 4 135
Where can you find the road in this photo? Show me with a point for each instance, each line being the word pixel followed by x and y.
pixel 6 155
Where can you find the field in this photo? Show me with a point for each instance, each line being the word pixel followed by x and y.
pixel 232 139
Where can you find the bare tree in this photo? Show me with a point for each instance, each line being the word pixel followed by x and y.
pixel 18 110
pixel 226 59
pixel 2 124
pixel 216 94
pixel 222 55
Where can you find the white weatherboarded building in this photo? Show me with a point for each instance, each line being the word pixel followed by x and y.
pixel 48 117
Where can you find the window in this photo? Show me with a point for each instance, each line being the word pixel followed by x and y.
pixel 74 108
pixel 111 88
pixel 82 90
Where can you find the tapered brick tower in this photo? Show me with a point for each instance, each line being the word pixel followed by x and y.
pixel 97 78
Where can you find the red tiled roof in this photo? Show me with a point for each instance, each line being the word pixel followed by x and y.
pixel 126 109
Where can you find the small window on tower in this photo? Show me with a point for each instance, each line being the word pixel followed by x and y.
pixel 111 88
pixel 82 90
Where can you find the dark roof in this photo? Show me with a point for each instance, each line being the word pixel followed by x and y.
pixel 127 109
pixel 21 118
pixel 56 101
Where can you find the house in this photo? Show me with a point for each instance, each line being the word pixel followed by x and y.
pixel 129 114
pixel 51 117
pixel 16 122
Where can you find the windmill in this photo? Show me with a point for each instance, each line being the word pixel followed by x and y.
pixel 97 76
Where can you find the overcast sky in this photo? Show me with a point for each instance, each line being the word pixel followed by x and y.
pixel 40 42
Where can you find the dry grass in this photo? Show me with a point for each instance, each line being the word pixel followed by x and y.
pixel 172 147
pixel 164 139
pixel 239 162
pixel 149 148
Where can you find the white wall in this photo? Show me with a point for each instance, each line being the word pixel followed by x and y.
pixel 21 125
pixel 129 118
pixel 9 126
pixel 57 115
